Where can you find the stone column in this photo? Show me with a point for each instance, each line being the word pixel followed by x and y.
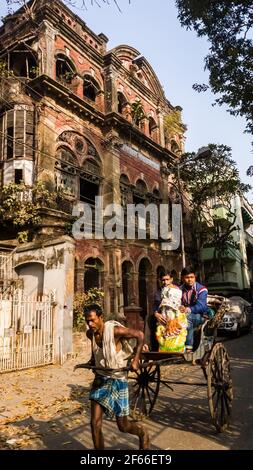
pixel 111 188
pixel 79 270
pixel 111 96
pixel 46 149
pixel 47 48
pixel 161 128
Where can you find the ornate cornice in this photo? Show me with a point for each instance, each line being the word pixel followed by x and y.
pixel 125 128
pixel 49 87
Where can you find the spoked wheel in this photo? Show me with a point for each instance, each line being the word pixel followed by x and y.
pixel 143 389
pixel 219 387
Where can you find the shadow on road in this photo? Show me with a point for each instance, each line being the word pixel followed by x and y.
pixel 183 410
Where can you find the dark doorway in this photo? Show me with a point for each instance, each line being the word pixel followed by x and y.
pixel 93 274
pixel 127 280
pixel 145 271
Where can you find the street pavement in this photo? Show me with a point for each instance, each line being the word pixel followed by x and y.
pixel 48 408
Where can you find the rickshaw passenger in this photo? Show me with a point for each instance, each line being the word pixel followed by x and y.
pixel 156 317
pixel 194 303
pixel 171 322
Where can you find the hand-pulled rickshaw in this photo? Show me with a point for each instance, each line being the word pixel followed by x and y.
pixel 208 352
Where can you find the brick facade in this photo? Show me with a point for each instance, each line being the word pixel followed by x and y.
pixel 86 139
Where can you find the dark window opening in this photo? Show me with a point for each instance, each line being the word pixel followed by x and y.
pixel 144 274
pixel 93 274
pixel 138 199
pixel 124 179
pixel 139 195
pixel 88 191
pixel 175 147
pixel 127 282
pixel 156 194
pixel 18 176
pixel 152 128
pixel 10 135
pixel 91 278
pixel 121 103
pixel 90 88
pixel 23 64
pixel 64 70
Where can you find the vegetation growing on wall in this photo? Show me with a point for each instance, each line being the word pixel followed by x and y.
pixel 173 124
pixel 137 112
pixel 81 299
pixel 20 204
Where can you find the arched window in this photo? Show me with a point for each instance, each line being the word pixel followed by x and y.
pixel 65 70
pixel 90 179
pixel 156 194
pixel 78 158
pixel 90 88
pixel 125 190
pixel 141 186
pixel 124 179
pixel 152 126
pixel 140 192
pixel 127 282
pixel 93 274
pixel 175 147
pixel 145 276
pixel 23 62
pixel 66 172
pixel 121 102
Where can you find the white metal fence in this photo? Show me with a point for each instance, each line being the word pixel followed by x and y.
pixel 26 332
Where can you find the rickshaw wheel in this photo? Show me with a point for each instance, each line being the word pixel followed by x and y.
pixel 219 387
pixel 143 390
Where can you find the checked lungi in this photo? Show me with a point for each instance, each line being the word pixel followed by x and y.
pixel 112 394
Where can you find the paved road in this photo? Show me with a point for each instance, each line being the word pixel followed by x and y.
pixel 180 421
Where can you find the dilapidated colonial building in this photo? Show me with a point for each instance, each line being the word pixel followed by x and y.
pixel 86 121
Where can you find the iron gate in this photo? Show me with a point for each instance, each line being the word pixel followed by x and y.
pixel 26 332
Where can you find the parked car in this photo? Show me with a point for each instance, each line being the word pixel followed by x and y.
pixel 238 318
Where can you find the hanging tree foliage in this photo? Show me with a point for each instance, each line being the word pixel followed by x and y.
pixel 211 182
pixel 228 26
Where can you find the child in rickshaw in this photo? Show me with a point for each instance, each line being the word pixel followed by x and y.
pixel 172 323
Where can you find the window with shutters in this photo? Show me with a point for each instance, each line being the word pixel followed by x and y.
pixel 17 134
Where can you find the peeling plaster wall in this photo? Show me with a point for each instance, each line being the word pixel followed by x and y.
pixel 58 260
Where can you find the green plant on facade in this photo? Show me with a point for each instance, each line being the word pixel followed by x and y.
pixel 173 124
pixel 137 112
pixel 34 72
pixel 67 77
pixel 20 204
pixel 4 72
pixel 81 299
